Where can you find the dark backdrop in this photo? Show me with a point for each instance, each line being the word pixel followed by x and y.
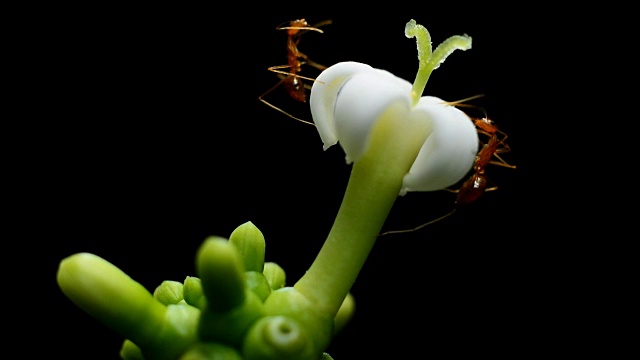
pixel 144 134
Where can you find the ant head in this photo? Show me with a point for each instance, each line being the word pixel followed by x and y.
pixel 300 26
pixel 298 23
pixel 485 124
pixel 294 26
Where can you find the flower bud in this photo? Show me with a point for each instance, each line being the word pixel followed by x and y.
pixel 192 291
pixel 275 275
pixel 169 292
pixel 220 268
pixel 258 284
pixel 211 351
pixel 250 244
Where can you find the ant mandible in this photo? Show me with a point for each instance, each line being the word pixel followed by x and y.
pixel 291 79
pixel 477 183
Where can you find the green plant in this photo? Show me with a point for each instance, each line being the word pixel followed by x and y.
pixel 238 306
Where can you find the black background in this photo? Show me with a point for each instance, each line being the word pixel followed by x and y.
pixel 142 134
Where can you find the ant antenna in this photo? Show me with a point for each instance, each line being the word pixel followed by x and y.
pixel 291 79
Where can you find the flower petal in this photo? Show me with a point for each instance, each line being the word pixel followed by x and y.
pixel 363 99
pixel 449 152
pixel 364 92
pixel 323 97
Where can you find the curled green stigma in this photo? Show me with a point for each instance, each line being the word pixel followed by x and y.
pixel 428 60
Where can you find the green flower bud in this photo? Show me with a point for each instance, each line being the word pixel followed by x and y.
pixel 130 351
pixel 192 291
pixel 111 296
pixel 291 303
pixel 230 327
pixel 275 275
pixel 345 313
pixel 257 282
pixel 108 294
pixel 211 351
pixel 279 338
pixel 250 244
pixel 220 268
pixel 169 292
pixel 179 331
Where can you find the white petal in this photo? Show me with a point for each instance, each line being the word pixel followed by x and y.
pixel 449 152
pixel 362 99
pixel 323 97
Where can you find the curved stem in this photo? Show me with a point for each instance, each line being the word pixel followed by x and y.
pixel 374 184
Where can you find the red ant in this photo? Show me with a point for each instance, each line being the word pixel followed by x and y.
pixel 292 79
pixel 477 183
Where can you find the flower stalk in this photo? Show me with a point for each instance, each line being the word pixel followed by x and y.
pixel 384 125
pixel 374 184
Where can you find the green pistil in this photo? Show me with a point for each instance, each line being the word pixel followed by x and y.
pixel 427 60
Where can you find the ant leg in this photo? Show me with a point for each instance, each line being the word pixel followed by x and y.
pixel 276 69
pixel 315 64
pixel 277 108
pixel 311 62
pixel 323 23
pixel 455 191
pixel 282 79
pixel 502 162
pixel 305 57
pixel 419 226
pixel 462 102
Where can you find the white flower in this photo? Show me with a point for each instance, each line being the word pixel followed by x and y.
pixel 349 99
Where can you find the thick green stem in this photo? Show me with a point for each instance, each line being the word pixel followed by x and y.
pixel 374 184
